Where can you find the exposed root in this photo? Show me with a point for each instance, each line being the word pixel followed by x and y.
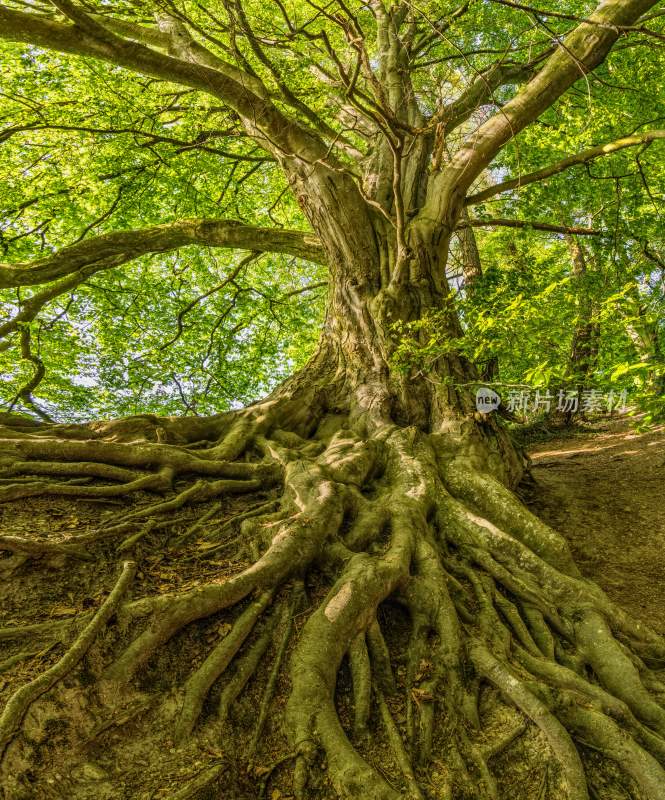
pixel 286 625
pixel 252 528
pixel 492 597
pixel 616 672
pixel 258 511
pixel 202 781
pixel 73 488
pixel 497 747
pixel 89 469
pixel 27 454
pixel 597 731
pixel 557 736
pixel 126 715
pixel 36 549
pixel 53 628
pixel 247 666
pixel 361 676
pixel 198 685
pixel 135 538
pixel 381 666
pixel 12 661
pixel 401 756
pixel 487 785
pixel 199 492
pixel 268 771
pixel 196 526
pixel 539 630
pixel 295 545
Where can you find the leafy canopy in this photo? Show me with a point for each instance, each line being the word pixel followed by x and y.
pixel 90 147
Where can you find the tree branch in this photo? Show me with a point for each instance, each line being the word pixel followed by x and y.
pixel 581 52
pixel 525 223
pixel 482 89
pixel 580 158
pixel 112 249
pixel 182 145
pixel 25 392
pixel 87 37
pixel 542 12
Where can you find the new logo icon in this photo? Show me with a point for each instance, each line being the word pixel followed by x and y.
pixel 487 400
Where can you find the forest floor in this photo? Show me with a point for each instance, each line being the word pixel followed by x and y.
pixel 600 484
pixel 603 487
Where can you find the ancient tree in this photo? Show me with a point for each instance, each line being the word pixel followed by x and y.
pixel 385 485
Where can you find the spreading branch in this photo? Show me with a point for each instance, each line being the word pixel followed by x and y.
pixel 273 130
pixel 482 90
pixel 523 223
pixel 581 52
pixel 116 248
pixel 584 157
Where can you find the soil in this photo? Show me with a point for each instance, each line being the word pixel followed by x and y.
pixel 601 486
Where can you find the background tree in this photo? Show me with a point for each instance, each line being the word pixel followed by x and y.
pixel 367 129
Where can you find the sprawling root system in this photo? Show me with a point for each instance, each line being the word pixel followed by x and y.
pixel 379 617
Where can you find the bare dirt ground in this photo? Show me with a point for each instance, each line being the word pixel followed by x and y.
pixel 604 489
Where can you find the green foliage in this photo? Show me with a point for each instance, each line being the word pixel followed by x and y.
pixel 90 148
pixel 105 150
pixel 114 348
pixel 523 312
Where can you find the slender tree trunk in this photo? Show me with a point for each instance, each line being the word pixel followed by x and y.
pixel 586 334
pixel 643 331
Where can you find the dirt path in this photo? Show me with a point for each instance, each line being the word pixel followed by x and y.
pixel 604 489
